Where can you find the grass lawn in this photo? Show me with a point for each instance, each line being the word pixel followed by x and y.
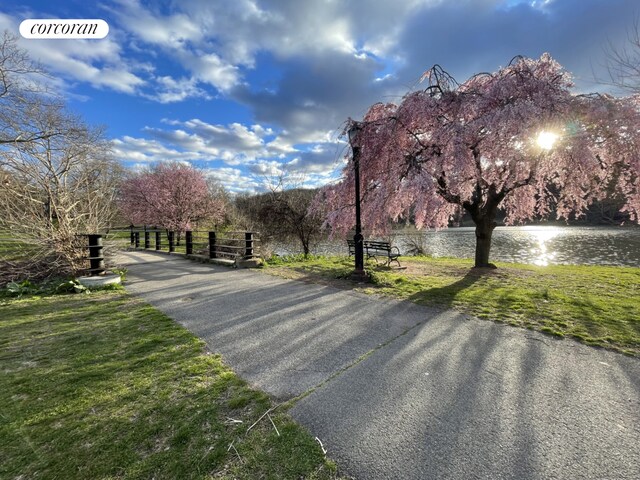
pixel 103 386
pixel 12 249
pixel 595 305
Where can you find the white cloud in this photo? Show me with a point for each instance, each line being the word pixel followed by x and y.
pixel 234 136
pixel 142 150
pixel 286 28
pixel 280 146
pixel 233 144
pixel 234 180
pixel 183 37
pixel 238 155
pixel 100 63
pixel 156 28
pixel 267 168
pixel 169 90
pixel 209 68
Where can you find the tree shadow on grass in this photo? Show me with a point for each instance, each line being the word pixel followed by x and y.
pixel 445 295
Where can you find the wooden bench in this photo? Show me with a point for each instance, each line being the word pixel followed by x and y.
pixel 374 249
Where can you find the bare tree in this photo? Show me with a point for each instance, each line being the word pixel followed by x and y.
pixel 22 91
pixel 57 187
pixel 283 213
pixel 58 176
pixel 623 63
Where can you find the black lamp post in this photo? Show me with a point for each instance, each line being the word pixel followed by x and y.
pixel 358 239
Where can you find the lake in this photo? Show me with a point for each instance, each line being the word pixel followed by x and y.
pixel 538 245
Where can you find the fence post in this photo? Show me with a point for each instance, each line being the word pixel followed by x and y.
pixel 212 244
pixel 158 245
pixel 147 240
pixel 189 241
pixel 133 237
pixel 248 244
pixel 137 239
pixel 96 255
pixel 172 245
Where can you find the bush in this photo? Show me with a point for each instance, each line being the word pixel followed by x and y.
pixel 52 287
pixel 18 289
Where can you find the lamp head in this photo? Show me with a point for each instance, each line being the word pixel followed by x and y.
pixel 353 132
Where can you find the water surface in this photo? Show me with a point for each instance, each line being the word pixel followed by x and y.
pixel 538 245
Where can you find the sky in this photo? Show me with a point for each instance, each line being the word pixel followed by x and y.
pixel 247 89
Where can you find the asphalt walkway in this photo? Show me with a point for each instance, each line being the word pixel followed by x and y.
pixel 400 391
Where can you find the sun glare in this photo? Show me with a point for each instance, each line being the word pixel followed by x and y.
pixel 546 140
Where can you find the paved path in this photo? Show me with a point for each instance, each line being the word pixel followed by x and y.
pixel 400 391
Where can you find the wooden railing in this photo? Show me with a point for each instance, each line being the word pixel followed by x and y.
pixel 236 245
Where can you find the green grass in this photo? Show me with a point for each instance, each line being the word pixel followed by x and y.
pixel 103 386
pixel 596 305
pixel 12 249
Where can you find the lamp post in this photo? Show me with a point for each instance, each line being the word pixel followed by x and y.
pixel 358 239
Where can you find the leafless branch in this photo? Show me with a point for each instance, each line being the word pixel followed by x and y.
pixel 57 175
pixel 623 63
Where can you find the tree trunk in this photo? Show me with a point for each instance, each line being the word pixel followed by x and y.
pixel 484 231
pixel 305 246
pixel 483 209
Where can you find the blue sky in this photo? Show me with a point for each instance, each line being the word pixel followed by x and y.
pixel 246 88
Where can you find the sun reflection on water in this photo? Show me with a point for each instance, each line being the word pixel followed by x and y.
pixel 541 254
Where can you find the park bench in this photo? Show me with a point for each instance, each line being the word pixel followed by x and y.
pixel 374 249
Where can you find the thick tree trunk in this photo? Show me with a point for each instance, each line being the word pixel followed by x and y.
pixel 483 210
pixel 484 231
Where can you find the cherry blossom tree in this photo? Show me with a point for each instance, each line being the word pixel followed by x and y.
pixel 170 195
pixel 517 139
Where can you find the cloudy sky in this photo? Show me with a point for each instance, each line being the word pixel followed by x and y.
pixel 245 88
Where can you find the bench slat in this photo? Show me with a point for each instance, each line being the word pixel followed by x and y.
pixel 375 248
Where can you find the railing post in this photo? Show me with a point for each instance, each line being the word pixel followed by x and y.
pixel 147 240
pixel 189 241
pixel 137 239
pixel 248 244
pixel 212 244
pixel 158 245
pixel 172 244
pixel 133 237
pixel 96 255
